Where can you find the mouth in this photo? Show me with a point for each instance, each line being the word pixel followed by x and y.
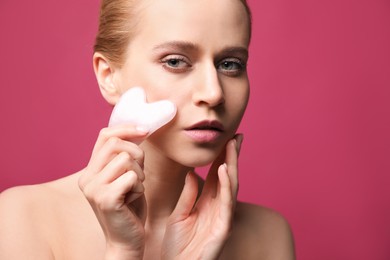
pixel 205 131
pixel 207 125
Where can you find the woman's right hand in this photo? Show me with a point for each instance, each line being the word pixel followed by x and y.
pixel 113 185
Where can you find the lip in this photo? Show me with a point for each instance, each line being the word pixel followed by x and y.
pixel 207 125
pixel 205 131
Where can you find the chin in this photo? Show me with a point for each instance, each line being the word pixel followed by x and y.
pixel 185 153
pixel 198 164
pixel 195 159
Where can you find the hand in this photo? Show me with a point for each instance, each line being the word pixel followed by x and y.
pixel 199 230
pixel 112 184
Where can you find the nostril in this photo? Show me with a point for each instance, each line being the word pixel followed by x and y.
pixel 217 98
pixel 210 99
pixel 209 90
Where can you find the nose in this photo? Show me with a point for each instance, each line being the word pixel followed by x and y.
pixel 208 89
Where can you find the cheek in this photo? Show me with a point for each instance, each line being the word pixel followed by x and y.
pixel 161 88
pixel 237 101
pixel 146 74
pixel 157 85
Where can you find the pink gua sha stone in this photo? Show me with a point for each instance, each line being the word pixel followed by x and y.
pixel 132 108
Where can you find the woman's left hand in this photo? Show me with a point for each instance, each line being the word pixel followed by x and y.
pixel 199 229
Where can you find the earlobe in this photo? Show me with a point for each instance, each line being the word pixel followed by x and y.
pixel 104 73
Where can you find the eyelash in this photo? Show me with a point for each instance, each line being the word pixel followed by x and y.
pixel 235 62
pixel 165 61
pixel 240 66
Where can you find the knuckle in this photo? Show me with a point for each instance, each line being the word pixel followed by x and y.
pixel 81 182
pixel 113 141
pixel 103 132
pixel 139 155
pixel 100 201
pixel 131 177
pixel 125 156
pixel 107 203
pixel 138 188
pixel 88 192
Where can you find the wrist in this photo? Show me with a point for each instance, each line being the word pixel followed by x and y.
pixel 120 253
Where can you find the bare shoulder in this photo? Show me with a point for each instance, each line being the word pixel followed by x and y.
pixel 27 220
pixel 260 233
pixel 39 198
pixel 262 221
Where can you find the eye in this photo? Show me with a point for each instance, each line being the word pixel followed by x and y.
pixel 176 63
pixel 232 67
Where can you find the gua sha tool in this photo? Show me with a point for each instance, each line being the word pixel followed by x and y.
pixel 132 108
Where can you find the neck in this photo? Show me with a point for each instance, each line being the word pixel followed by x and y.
pixel 164 181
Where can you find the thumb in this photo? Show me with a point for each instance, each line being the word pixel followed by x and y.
pixel 187 199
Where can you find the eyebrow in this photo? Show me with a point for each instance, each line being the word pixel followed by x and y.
pixel 241 51
pixel 189 46
pixel 177 45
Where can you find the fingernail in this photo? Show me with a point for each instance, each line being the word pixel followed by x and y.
pixel 142 129
pixel 187 176
pixel 225 166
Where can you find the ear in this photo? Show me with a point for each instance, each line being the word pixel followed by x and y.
pixel 104 73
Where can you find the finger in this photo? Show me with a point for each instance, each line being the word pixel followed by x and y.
pixel 127 132
pixel 232 153
pixel 124 132
pixel 110 149
pixel 232 165
pixel 110 196
pixel 210 185
pixel 225 193
pixel 129 186
pixel 131 197
pixel 187 199
pixel 137 203
pixel 119 165
pixel 127 183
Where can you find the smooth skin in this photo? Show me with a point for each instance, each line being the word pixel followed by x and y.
pixel 138 197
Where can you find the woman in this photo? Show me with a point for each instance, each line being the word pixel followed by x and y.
pixel 138 197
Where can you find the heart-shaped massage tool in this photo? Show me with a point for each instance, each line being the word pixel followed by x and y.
pixel 132 108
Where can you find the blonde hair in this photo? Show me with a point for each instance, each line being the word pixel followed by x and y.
pixel 117 24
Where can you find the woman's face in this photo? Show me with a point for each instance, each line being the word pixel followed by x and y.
pixel 193 53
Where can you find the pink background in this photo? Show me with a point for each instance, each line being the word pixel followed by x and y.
pixel 317 142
